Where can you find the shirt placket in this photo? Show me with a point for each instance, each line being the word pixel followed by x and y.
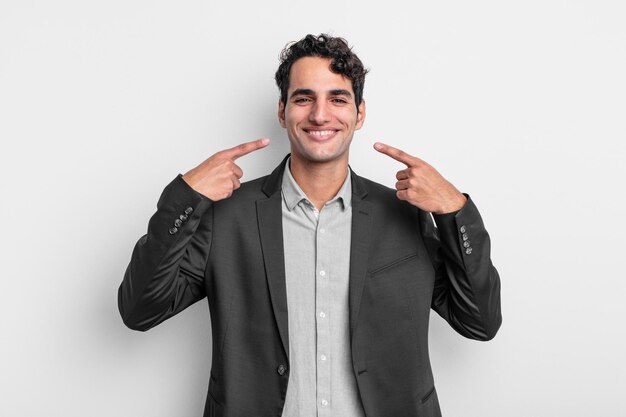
pixel 322 308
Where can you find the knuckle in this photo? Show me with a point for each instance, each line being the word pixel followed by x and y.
pixel 219 155
pixel 219 161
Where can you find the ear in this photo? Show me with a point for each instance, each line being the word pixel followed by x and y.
pixel 281 113
pixel 360 117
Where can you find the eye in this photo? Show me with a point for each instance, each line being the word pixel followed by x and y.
pixel 302 100
pixel 339 100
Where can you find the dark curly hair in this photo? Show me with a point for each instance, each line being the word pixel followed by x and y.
pixel 343 61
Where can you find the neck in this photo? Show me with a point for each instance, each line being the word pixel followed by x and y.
pixel 320 181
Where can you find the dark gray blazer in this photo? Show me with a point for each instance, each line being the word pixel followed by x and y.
pixel 231 252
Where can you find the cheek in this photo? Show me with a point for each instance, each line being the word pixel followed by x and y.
pixel 293 118
pixel 348 117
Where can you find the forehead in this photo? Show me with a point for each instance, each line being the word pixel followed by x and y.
pixel 314 73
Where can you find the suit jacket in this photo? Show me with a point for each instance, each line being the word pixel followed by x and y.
pixel 231 252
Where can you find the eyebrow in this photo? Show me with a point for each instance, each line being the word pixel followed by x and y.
pixel 341 92
pixel 309 92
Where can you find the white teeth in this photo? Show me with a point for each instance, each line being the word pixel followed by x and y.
pixel 321 132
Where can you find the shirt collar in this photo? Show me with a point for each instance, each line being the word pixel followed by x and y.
pixel 293 194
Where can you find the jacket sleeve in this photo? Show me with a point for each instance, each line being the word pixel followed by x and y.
pixel 166 270
pixel 467 286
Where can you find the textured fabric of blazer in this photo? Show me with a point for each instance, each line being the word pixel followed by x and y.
pixel 231 252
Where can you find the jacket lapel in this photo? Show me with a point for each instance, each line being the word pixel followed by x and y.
pixel 362 218
pixel 269 217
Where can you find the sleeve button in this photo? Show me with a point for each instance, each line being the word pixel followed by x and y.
pixel 178 223
pixel 463 229
pixel 188 210
pixel 173 230
pixel 468 251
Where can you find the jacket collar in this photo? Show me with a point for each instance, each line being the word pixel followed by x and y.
pixel 274 181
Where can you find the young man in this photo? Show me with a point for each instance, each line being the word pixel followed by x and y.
pixel 319 281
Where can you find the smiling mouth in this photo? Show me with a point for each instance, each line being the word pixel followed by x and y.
pixel 321 134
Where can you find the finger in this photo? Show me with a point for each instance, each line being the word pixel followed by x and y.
pixel 403 185
pixel 402 175
pixel 245 148
pixel 396 154
pixel 236 183
pixel 237 171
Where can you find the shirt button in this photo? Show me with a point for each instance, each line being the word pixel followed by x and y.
pixel 323 357
pixel 322 273
pixel 324 403
pixel 322 314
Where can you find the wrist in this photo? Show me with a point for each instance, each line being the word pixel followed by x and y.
pixel 453 205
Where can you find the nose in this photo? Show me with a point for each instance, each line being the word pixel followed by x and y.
pixel 320 113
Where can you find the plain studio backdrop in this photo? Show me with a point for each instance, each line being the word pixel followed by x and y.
pixel 520 104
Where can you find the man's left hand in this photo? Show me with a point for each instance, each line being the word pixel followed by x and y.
pixel 421 185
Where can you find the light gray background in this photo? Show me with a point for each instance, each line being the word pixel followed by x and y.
pixel 520 104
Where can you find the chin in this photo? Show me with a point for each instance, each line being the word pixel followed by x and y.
pixel 321 157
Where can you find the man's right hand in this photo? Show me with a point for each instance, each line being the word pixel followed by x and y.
pixel 218 177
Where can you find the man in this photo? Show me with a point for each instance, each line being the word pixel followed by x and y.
pixel 319 281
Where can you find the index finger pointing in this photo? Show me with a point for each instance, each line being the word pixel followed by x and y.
pixel 396 154
pixel 245 148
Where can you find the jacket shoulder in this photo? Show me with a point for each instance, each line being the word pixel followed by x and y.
pixel 384 199
pixel 375 189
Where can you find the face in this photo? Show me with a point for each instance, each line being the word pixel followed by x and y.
pixel 320 114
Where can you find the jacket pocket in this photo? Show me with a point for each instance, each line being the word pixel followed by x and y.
pixel 428 395
pixel 396 262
